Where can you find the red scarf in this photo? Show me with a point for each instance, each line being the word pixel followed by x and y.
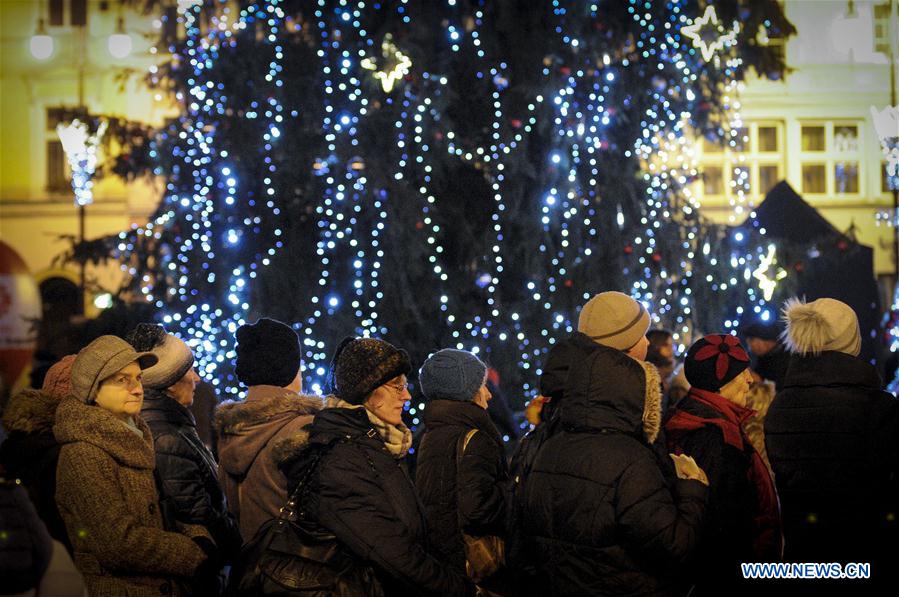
pixel 768 541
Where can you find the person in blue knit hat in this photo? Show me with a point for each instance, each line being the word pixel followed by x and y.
pixel 461 467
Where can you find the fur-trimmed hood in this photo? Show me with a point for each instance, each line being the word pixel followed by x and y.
pixel 610 391
pixel 245 428
pixel 31 411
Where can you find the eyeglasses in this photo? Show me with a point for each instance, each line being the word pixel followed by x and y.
pixel 399 388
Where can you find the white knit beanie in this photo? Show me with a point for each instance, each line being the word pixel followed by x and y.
pixel 824 324
pixel 614 319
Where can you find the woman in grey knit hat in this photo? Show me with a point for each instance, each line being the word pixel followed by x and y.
pixel 461 472
pixel 187 470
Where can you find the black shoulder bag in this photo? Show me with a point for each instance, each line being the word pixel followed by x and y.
pixel 291 556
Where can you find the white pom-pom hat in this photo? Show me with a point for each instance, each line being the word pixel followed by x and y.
pixel 824 324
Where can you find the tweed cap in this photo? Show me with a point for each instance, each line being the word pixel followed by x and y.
pixel 100 359
pixel 175 357
pixel 268 353
pixel 58 380
pixel 452 374
pixel 360 365
pixel 614 319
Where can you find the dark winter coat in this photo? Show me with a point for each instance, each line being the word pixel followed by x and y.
pixel 773 366
pixel 107 497
pixel 474 493
pixel 742 522
pixel 251 436
pixel 30 454
pixel 833 443
pixel 363 495
pixel 187 471
pixel 600 517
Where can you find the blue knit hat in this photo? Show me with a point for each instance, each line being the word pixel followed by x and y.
pixel 452 374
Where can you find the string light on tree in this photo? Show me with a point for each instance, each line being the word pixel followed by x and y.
pixel 81 151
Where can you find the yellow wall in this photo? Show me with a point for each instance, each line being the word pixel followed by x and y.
pixel 31 217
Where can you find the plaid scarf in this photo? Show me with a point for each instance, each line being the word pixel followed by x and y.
pixel 397 438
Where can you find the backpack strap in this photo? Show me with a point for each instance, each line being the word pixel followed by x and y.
pixel 460 452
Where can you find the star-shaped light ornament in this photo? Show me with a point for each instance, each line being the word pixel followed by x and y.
pixel 768 274
pixel 396 64
pixel 708 34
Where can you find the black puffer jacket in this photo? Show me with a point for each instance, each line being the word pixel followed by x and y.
pixel 363 495
pixel 187 471
pixel 600 517
pixel 476 494
pixel 833 443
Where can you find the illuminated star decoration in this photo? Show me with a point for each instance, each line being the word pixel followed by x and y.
pixel 399 64
pixel 81 151
pixel 768 274
pixel 708 34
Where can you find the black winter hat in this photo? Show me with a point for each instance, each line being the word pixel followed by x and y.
pixel 268 353
pixel 360 365
pixel 766 330
pixel 714 360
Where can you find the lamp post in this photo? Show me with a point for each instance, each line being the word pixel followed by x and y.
pixel 80 147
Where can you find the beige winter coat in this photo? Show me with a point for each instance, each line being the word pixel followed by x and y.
pixel 251 435
pixel 107 498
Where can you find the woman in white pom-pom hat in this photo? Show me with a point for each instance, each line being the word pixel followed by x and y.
pixel 833 442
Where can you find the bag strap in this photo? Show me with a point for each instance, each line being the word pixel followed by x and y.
pixel 289 510
pixel 460 452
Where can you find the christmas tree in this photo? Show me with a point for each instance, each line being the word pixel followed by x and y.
pixel 456 173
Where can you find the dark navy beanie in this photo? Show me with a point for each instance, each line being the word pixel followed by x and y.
pixel 452 374
pixel 268 353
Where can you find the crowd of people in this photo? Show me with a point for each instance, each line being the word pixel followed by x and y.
pixel 640 475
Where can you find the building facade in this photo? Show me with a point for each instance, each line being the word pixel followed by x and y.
pixel 815 128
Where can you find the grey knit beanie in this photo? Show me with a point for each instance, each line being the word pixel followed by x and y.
pixel 452 374
pixel 614 319
pixel 101 358
pixel 360 365
pixel 174 356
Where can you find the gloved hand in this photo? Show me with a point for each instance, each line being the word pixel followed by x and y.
pixel 687 468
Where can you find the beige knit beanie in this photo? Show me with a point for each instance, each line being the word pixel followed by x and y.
pixel 824 324
pixel 614 319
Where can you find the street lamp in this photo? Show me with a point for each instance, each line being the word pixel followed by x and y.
pixel 41 44
pixel 119 43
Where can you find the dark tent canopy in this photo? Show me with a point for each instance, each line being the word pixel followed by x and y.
pixel 823 261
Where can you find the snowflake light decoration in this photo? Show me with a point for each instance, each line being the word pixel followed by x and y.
pixel 399 64
pixel 768 274
pixel 708 34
